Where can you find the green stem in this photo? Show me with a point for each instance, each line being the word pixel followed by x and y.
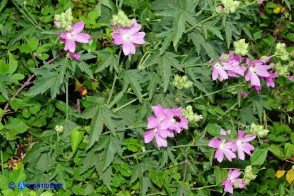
pixel 204 187
pixel 231 108
pixel 148 151
pixel 199 23
pixel 121 3
pixel 66 94
pixel 238 85
pixel 128 103
pixel 111 91
pixel 2 165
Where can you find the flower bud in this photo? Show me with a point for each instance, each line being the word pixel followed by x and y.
pixel 64 20
pixel 230 6
pixel 241 47
pixel 59 128
pixel 190 115
pixel 181 82
pixel 281 51
pixel 258 130
pixel 121 20
pixel 248 175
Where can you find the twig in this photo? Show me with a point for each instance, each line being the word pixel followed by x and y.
pixel 19 90
pixel 28 82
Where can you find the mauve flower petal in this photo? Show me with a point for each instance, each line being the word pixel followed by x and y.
pixel 63 35
pixel 214 143
pixel 152 122
pixel 148 136
pixel 229 154
pixel 163 133
pixel 117 39
pixel 223 74
pixel 82 38
pixel 128 48
pixel 219 155
pixel 160 141
pixel 254 80
pixel 234 174
pixel 248 148
pixel 75 56
pixel 138 38
pixel 78 27
pixel 134 29
pixel 70 45
pixel 158 110
pixel 241 154
pixel 248 138
pixel 229 188
pixel 214 74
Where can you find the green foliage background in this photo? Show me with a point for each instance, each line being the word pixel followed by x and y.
pixel 101 149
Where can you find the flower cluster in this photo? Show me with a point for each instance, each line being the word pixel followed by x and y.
pixel 248 175
pixel 258 130
pixel 182 82
pixel 190 115
pixel 227 149
pixel 71 33
pixel 233 180
pixel 230 6
pixel 230 66
pixel 64 20
pixel 163 124
pixel 127 35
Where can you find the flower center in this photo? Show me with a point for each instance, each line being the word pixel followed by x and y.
pixel 239 143
pixel 252 69
pixel 70 36
pixel 222 145
pixel 217 66
pixel 126 37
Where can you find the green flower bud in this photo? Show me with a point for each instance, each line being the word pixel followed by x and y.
pixel 281 51
pixel 241 47
pixel 190 115
pixel 181 82
pixel 230 6
pixel 59 128
pixel 121 20
pixel 258 130
pixel 248 175
pixel 65 19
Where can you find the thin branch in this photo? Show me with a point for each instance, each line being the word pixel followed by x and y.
pixel 28 82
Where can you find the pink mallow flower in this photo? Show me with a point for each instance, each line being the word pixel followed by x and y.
pixel 155 122
pixel 218 71
pixel 232 65
pixel 163 124
pixel 256 68
pixel 233 180
pixel 73 36
pixel 129 37
pixel 223 149
pixel 241 144
pixel 174 120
